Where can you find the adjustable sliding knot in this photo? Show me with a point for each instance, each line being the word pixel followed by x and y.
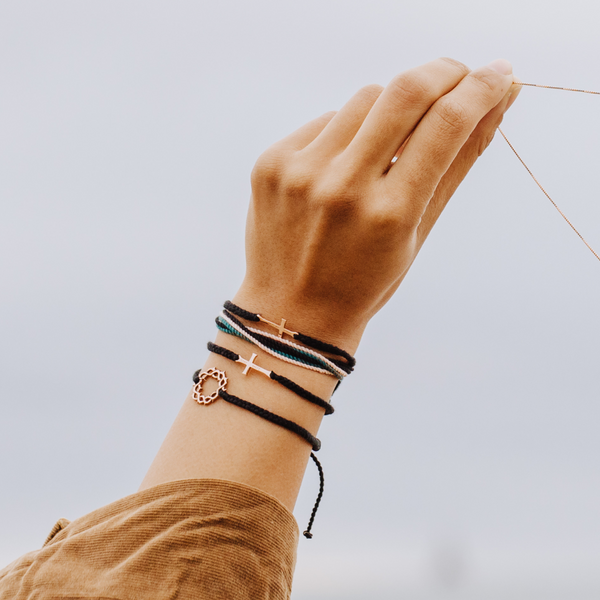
pixel 201 376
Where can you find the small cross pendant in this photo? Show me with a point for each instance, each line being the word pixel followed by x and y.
pixel 280 328
pixel 250 365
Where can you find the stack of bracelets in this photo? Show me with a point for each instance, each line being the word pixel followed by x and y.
pixel 307 354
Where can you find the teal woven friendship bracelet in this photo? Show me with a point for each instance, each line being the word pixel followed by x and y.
pixel 282 349
pixel 226 328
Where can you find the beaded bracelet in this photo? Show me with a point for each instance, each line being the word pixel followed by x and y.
pixel 284 381
pixel 221 377
pixel 304 339
pixel 282 349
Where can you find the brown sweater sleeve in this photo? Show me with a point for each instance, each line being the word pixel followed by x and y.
pixel 204 539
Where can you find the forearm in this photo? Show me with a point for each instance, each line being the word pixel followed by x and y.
pixel 224 441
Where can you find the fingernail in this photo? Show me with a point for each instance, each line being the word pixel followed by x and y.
pixel 501 66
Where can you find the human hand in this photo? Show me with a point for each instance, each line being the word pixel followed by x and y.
pixel 333 225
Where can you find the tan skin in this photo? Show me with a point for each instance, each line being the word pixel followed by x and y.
pixel 333 227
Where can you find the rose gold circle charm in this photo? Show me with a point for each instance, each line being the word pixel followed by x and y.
pixel 202 377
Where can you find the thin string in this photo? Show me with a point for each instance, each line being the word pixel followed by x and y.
pixel 555 87
pixel 562 214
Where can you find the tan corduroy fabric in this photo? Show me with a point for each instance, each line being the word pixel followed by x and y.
pixel 196 538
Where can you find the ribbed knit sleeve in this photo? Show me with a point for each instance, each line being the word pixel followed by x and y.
pixel 204 539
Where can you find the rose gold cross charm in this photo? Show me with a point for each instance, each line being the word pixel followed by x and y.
pixel 250 365
pixel 280 328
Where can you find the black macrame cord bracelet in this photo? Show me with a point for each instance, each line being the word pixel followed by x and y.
pixel 273 418
pixel 268 416
pixel 284 381
pixel 294 428
pixel 350 361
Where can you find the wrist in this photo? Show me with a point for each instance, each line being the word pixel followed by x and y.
pixel 326 322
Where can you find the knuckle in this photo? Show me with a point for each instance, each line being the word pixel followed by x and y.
pixel 298 182
pixel 337 196
pixel 338 205
pixel 388 219
pixel 457 65
pixel 268 171
pixel 391 226
pixel 453 116
pixel 328 115
pixel 488 81
pixel 339 193
pixel 409 220
pixel 370 93
pixel 364 99
pixel 384 220
pixel 410 87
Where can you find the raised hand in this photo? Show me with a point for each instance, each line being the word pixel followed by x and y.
pixel 334 224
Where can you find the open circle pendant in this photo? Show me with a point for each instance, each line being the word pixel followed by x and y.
pixel 221 379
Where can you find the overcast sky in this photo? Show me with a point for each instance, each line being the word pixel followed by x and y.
pixel 127 134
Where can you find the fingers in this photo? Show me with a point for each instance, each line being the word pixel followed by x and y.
pixel 303 136
pixel 341 130
pixel 473 148
pixel 444 130
pixel 398 110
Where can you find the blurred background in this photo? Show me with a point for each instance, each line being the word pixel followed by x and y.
pixel 128 130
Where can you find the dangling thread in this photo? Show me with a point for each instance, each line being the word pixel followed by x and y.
pixel 562 214
pixel 307 534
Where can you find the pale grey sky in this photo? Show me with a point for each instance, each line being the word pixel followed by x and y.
pixel 127 135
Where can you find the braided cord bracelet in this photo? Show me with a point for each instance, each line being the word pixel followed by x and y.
pixel 283 349
pixel 273 418
pixel 279 342
pixel 294 428
pixel 284 381
pixel 221 377
pixel 305 339
pixel 286 347
pixel 276 339
pixel 224 325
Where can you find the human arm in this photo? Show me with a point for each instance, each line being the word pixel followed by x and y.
pixel 332 229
